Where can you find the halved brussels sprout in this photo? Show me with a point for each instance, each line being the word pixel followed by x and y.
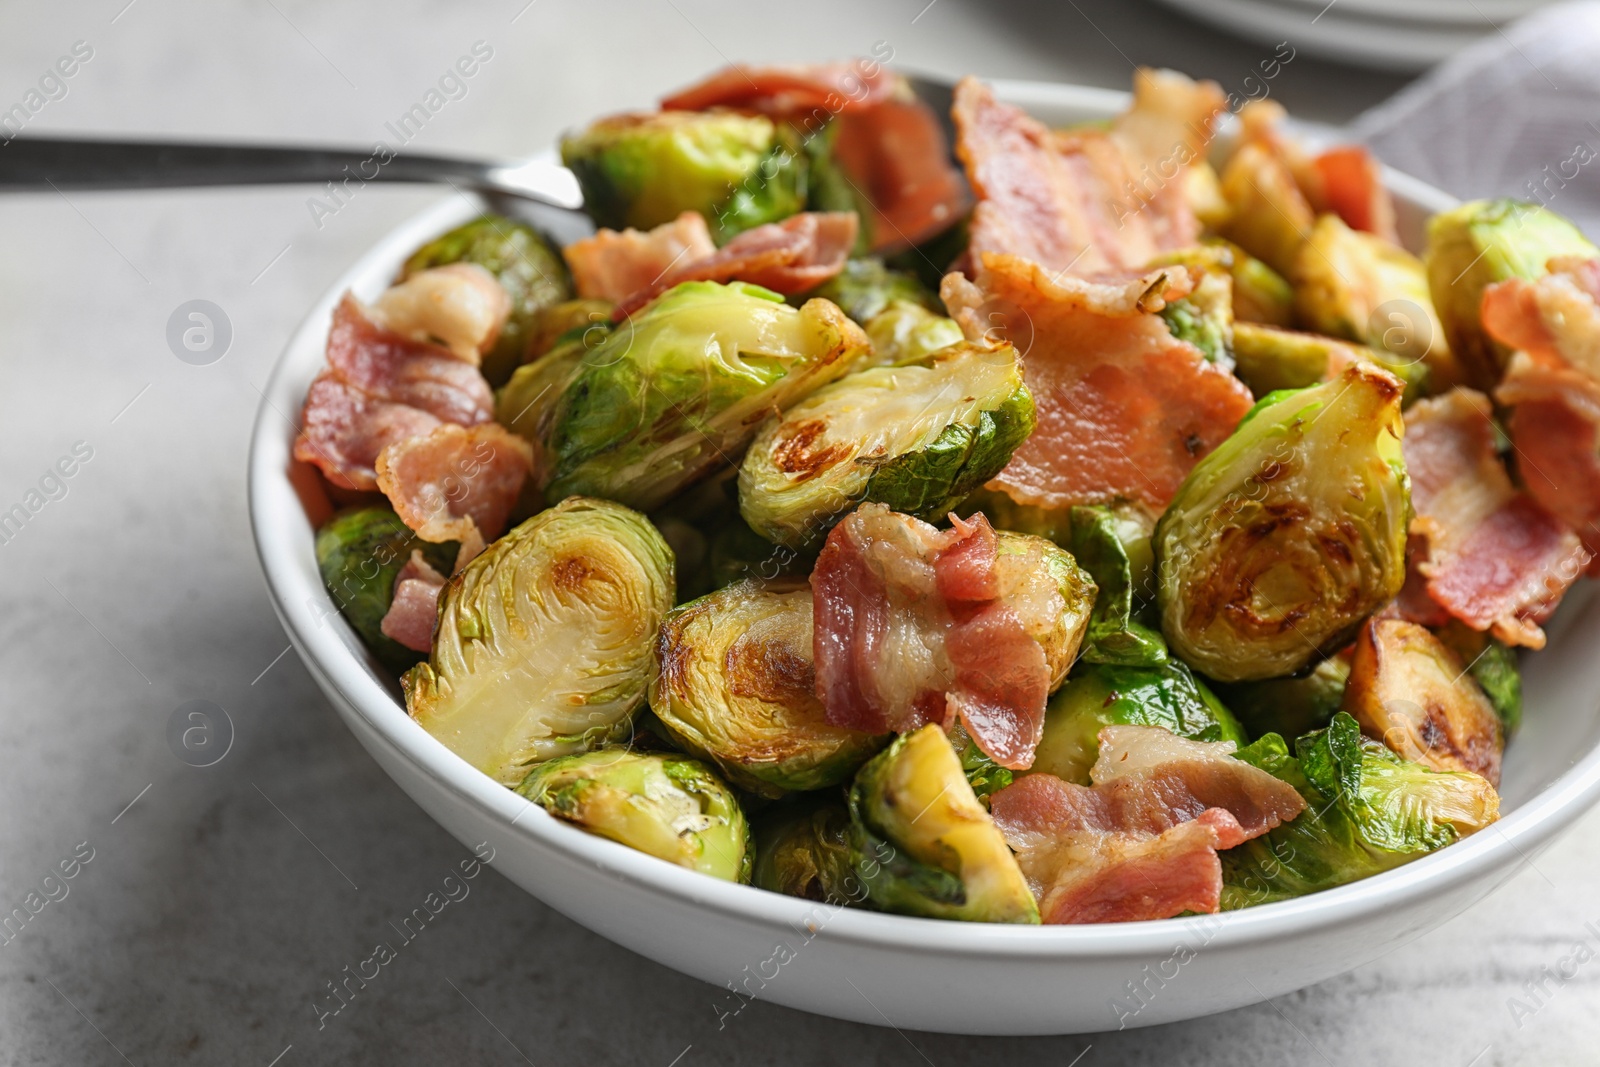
pixel 360 551
pixel 917 437
pixel 1033 573
pixel 1289 706
pixel 866 288
pixel 1367 810
pixel 567 321
pixel 1493 665
pixel 804 851
pixel 670 807
pixel 924 845
pixel 1271 217
pixel 1411 692
pixel 644 170
pixel 1360 287
pixel 1260 294
pixel 1268 359
pixel 543 647
pixel 526 405
pixel 1202 188
pixel 1289 534
pixel 679 390
pixel 1114 547
pixel 1100 695
pixel 525 263
pixel 905 332
pixel 735 684
pixel 1481 242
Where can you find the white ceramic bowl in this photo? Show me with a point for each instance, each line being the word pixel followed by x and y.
pixel 887 969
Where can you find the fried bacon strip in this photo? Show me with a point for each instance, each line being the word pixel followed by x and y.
pixel 380 388
pixel 1552 385
pixel 1124 410
pixel 792 256
pixel 1085 201
pixel 1141 842
pixel 456 483
pixel 784 91
pixel 1483 551
pixel 415 606
pixel 614 265
pixel 914 625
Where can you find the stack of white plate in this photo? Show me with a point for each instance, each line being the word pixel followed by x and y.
pixel 1392 34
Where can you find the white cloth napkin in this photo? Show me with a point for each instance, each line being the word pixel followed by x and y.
pixel 1517 114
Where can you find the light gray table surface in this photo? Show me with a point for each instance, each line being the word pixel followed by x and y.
pixel 220 900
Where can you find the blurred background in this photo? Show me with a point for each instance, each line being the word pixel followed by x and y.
pixel 217 901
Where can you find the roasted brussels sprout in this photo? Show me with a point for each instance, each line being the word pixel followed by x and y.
pixel 679 390
pixel 804 851
pixel 1367 810
pixel 1100 695
pixel 1411 692
pixel 924 845
pixel 526 405
pixel 525 263
pixel 905 332
pixel 1270 214
pixel 1033 571
pixel 1493 665
pixel 865 288
pixel 360 552
pixel 1481 242
pixel 569 320
pixel 1289 706
pixel 644 170
pixel 1353 285
pixel 670 807
pixel 543 647
pixel 918 437
pixel 1288 535
pixel 1260 294
pixel 1114 547
pixel 1268 359
pixel 735 685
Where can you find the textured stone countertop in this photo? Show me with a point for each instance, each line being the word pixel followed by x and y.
pixel 217 901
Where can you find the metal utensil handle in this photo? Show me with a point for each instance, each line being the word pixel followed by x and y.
pixel 41 163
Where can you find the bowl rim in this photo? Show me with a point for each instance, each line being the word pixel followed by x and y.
pixel 309 618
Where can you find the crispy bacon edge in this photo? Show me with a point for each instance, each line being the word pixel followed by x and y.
pixel 1139 843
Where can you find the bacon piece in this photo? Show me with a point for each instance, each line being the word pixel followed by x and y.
pixel 1124 410
pixel 791 256
pixel 915 625
pixel 1490 555
pixel 415 606
pixel 1086 201
pixel 1552 385
pixel 1351 183
pixel 1142 841
pixel 785 91
pixel 379 388
pixel 342 431
pixel 896 156
pixel 612 265
pixel 456 483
